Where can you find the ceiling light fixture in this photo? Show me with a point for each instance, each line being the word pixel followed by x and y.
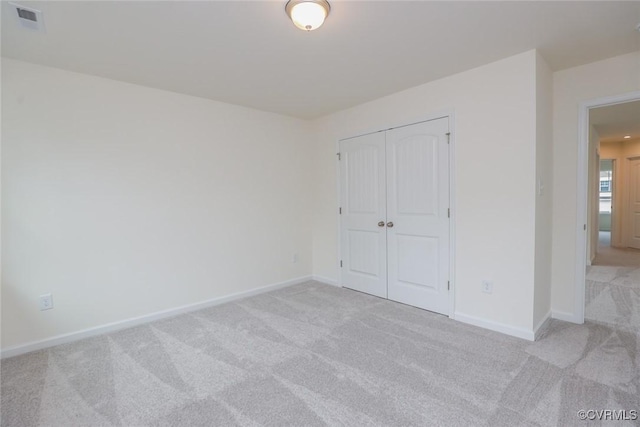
pixel 308 14
pixel 627 137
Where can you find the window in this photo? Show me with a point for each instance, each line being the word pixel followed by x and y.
pixel 606 185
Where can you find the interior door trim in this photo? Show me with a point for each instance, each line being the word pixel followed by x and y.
pixel 577 316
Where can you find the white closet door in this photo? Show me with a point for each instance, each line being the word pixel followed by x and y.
pixel 363 194
pixel 634 203
pixel 417 215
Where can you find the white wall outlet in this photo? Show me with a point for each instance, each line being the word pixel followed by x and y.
pixel 487 287
pixel 46 302
pixel 295 257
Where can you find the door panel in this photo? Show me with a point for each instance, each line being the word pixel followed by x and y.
pixel 364 252
pixel 363 202
pixel 634 203
pixel 416 179
pixel 417 260
pixel 417 205
pixel 363 165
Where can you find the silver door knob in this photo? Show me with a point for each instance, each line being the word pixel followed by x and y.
pixel 389 224
pixel 381 224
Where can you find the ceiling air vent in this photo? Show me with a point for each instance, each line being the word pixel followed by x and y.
pixel 29 18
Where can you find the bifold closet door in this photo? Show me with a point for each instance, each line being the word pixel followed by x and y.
pixel 417 166
pixel 362 221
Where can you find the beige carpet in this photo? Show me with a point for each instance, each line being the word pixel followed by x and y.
pixel 314 354
pixel 613 286
pixel 618 257
pixel 613 296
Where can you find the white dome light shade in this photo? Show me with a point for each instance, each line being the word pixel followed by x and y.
pixel 307 14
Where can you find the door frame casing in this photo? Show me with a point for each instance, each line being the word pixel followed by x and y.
pixel 627 227
pixel 449 114
pixel 615 227
pixel 582 196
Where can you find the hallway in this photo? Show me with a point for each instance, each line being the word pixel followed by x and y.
pixel 613 287
pixel 610 256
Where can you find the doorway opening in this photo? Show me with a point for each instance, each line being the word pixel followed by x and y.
pixel 612 258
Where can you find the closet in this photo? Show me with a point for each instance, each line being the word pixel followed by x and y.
pixel 394 214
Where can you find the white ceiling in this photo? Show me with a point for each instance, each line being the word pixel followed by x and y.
pixel 249 53
pixel 615 121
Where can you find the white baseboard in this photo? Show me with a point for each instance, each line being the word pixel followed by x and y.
pixel 135 321
pixel 496 326
pixel 565 316
pixel 542 324
pixel 325 280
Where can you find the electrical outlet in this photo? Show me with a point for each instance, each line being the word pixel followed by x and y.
pixel 295 257
pixel 46 302
pixel 487 287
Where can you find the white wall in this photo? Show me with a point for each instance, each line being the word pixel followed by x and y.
pixel 610 77
pixel 123 200
pixel 495 179
pixel 544 177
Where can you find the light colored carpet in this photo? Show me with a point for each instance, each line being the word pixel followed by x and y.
pixel 613 296
pixel 319 355
pixel 620 257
